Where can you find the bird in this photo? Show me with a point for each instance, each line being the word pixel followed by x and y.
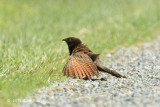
pixel 83 63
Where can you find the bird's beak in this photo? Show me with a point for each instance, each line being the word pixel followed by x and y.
pixel 63 39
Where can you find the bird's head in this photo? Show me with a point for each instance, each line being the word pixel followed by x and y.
pixel 72 41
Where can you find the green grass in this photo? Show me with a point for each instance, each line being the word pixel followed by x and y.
pixel 32 54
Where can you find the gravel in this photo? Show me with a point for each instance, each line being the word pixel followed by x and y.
pixel 141 65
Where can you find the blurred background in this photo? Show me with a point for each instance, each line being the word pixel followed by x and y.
pixel 32 53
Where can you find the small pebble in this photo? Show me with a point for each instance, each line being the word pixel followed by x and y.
pixel 140 64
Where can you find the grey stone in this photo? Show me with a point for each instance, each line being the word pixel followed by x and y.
pixel 141 88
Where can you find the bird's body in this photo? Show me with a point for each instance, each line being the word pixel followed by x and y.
pixel 82 62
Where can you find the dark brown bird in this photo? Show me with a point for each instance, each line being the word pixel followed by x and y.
pixel 82 62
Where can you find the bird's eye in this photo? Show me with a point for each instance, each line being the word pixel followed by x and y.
pixel 70 39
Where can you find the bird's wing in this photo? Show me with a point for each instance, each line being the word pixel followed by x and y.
pixel 81 66
pixel 93 56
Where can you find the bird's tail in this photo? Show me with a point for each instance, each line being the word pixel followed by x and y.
pixel 102 68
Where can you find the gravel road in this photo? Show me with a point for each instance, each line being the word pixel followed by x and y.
pixel 141 65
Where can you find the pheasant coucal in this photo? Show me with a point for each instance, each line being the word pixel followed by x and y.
pixel 82 62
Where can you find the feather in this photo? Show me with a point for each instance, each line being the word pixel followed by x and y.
pixel 82 70
pixel 74 68
pixel 94 69
pixel 67 69
pixel 80 65
pixel 70 70
pixel 64 69
pixel 79 70
pixel 87 71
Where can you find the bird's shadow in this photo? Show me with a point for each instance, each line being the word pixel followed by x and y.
pixel 100 79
